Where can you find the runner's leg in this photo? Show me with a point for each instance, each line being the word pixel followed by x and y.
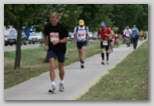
pixel 52 56
pixel 83 53
pixel 61 59
pixel 61 75
pixel 107 54
pixel 61 70
pixel 102 55
pixel 52 69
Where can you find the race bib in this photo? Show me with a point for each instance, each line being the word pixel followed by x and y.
pixel 116 35
pixel 54 36
pixel 82 34
pixel 105 43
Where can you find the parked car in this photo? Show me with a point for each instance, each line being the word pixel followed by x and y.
pixel 71 35
pixel 10 37
pixel 95 36
pixel 35 37
pixel 90 35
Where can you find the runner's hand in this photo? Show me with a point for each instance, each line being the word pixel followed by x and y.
pixel 46 47
pixel 87 43
pixel 75 44
pixel 55 42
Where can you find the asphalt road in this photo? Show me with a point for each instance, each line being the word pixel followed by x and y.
pixel 77 81
pixel 13 47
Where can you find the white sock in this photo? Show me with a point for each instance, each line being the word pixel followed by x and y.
pixel 62 81
pixel 53 83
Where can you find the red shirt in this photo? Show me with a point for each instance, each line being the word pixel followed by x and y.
pixel 103 33
pixel 116 37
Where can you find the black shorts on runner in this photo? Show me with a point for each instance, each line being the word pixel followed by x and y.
pixel 105 46
pixel 81 44
pixel 59 56
pixel 110 40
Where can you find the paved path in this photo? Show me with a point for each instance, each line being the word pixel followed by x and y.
pixel 77 81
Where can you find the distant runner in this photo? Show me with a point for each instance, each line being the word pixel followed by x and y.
pixel 104 34
pixel 135 34
pixel 116 37
pixel 81 39
pixel 127 36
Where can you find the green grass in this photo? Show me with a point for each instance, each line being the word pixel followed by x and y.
pixel 127 81
pixel 31 62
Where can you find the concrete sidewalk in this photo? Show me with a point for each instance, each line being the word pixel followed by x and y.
pixel 77 81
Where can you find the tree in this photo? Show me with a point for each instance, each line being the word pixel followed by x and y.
pixel 20 15
pixel 94 14
pixel 129 14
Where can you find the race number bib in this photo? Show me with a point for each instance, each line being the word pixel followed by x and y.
pixel 116 35
pixel 81 34
pixel 105 43
pixel 54 36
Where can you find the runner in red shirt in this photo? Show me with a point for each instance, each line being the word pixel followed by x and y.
pixel 116 37
pixel 104 34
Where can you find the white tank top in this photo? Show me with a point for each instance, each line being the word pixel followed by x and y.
pixel 80 33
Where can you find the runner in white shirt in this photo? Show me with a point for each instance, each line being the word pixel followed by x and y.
pixel 81 40
pixel 127 36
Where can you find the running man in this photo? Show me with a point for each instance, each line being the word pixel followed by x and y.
pixel 104 34
pixel 116 37
pixel 55 39
pixel 135 34
pixel 111 39
pixel 127 36
pixel 81 39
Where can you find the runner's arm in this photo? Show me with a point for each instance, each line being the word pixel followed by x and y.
pixel 75 35
pixel 87 35
pixel 45 40
pixel 99 36
pixel 64 40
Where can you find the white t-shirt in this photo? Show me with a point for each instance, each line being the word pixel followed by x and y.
pixel 127 32
pixel 81 33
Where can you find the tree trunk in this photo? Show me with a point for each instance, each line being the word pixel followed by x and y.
pixel 18 50
pixel 46 59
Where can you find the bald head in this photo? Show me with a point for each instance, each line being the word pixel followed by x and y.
pixel 54 15
pixel 54 18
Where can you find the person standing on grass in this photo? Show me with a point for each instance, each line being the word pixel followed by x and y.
pixel 81 39
pixel 104 34
pixel 55 39
pixel 135 34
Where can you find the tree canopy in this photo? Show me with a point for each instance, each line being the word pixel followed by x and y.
pixel 119 15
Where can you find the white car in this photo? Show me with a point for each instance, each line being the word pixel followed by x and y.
pixel 71 35
pixel 35 37
pixel 90 35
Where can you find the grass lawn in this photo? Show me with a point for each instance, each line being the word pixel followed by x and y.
pixel 127 81
pixel 31 62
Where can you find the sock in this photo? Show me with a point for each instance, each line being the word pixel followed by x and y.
pixel 102 55
pixel 107 56
pixel 62 81
pixel 53 83
pixel 82 62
